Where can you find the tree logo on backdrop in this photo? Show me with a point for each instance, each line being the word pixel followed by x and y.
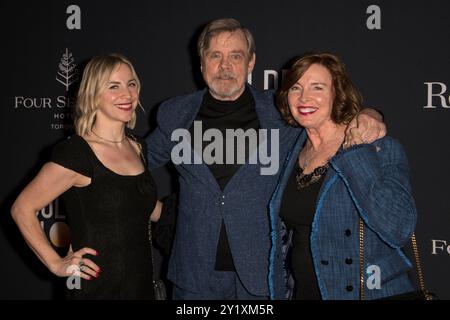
pixel 67 71
pixel 60 106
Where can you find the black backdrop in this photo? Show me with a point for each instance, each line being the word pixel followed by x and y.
pixel 397 53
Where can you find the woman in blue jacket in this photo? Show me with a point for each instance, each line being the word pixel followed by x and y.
pixel 327 189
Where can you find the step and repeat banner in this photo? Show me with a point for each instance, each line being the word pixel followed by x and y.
pixel 397 53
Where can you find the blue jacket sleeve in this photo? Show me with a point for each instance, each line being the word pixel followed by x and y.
pixel 377 177
pixel 159 145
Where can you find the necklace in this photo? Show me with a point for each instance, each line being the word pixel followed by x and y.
pixel 112 141
pixel 303 180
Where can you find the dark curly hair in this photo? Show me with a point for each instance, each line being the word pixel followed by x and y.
pixel 347 100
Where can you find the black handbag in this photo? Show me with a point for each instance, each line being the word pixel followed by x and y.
pixel 421 294
pixel 159 288
pixel 164 230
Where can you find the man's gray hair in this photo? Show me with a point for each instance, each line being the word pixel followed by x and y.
pixel 215 27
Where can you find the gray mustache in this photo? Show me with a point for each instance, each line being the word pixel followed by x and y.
pixel 225 75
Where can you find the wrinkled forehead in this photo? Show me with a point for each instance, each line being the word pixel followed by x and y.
pixel 234 39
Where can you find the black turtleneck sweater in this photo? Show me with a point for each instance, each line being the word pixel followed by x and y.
pixel 222 115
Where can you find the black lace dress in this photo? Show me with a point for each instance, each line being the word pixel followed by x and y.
pixel 110 215
pixel 297 211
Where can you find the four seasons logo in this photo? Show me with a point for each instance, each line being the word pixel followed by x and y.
pixel 67 71
pixel 67 75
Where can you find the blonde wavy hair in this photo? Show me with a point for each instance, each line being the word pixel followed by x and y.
pixel 95 79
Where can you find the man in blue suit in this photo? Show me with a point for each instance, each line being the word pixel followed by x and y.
pixel 222 241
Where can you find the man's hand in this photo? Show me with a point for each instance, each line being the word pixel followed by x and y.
pixel 366 127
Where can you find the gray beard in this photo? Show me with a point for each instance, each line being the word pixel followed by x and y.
pixel 225 95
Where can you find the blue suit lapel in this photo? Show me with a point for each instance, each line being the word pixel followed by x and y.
pixel 200 171
pixel 265 115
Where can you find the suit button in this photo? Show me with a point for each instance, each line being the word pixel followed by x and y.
pixel 349 288
pixel 348 261
pixel 324 262
pixel 348 233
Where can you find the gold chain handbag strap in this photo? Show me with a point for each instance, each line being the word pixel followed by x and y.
pixel 362 294
pixel 418 264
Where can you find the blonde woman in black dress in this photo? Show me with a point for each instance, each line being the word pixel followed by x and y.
pixel 108 191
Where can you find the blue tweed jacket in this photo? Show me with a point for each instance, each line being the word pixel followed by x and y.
pixel 368 181
pixel 243 205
